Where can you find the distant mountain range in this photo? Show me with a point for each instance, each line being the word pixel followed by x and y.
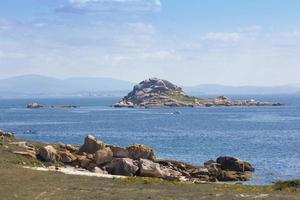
pixel 43 86
pixel 28 85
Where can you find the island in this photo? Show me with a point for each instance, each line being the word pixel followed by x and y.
pixel 155 92
pixel 36 105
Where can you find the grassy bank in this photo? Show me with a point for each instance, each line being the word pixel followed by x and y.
pixel 19 183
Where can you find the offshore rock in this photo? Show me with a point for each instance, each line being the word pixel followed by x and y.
pixel 157 93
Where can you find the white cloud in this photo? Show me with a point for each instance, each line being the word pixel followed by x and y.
pixel 109 6
pixel 223 36
pixel 291 34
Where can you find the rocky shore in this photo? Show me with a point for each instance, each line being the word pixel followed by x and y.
pixel 135 160
pixel 156 92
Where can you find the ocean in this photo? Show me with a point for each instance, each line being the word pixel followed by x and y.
pixel 268 137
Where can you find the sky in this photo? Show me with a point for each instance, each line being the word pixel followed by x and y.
pixel 190 42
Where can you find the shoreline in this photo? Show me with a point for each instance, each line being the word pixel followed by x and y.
pixel 135 160
pixel 26 177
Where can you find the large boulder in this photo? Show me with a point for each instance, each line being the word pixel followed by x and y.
pixel 91 145
pixel 234 164
pixel 150 169
pixel 83 161
pixel 103 156
pixel 122 166
pixel 34 105
pixel 119 152
pixel 66 157
pixel 138 151
pixel 48 154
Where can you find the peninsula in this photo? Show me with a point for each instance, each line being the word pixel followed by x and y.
pixel 155 92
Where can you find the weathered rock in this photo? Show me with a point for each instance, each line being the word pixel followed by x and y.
pixel 200 172
pixel 66 157
pixel 91 145
pixel 69 147
pixel 103 156
pixel 234 164
pixel 248 167
pixel 25 153
pixel 48 154
pixel 234 176
pixel 99 170
pixel 213 167
pixel 231 163
pixel 83 161
pixel 34 105
pixel 119 152
pixel 138 151
pixel 9 134
pixel 122 166
pixel 147 168
pixel 24 145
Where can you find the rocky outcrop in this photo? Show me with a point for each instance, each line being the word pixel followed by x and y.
pixel 103 156
pixel 234 164
pixel 150 169
pixel 156 92
pixel 138 151
pixel 48 154
pixel 135 160
pixel 34 105
pixel 119 152
pixel 122 166
pixel 91 145
pixel 66 157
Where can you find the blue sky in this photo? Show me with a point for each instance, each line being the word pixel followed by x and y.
pixel 233 42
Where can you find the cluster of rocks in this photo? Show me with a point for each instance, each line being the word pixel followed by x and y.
pixel 4 134
pixel 225 101
pixel 36 105
pixel 156 92
pixel 136 160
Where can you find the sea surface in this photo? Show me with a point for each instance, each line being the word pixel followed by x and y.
pixel 268 137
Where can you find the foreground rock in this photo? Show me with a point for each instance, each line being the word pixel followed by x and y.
pixel 48 154
pixel 138 151
pixel 91 145
pixel 156 92
pixel 136 160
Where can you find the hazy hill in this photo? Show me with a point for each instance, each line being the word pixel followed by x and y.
pixel 42 85
pixel 29 85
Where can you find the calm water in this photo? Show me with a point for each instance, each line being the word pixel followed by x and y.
pixel 268 137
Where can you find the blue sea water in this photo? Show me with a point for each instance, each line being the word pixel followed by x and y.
pixel 268 137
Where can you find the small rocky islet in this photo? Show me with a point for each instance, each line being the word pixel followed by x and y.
pixel 36 105
pixel 155 92
pixel 98 157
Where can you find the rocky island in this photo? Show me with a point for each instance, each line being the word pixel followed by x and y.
pixel 36 105
pixel 156 92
